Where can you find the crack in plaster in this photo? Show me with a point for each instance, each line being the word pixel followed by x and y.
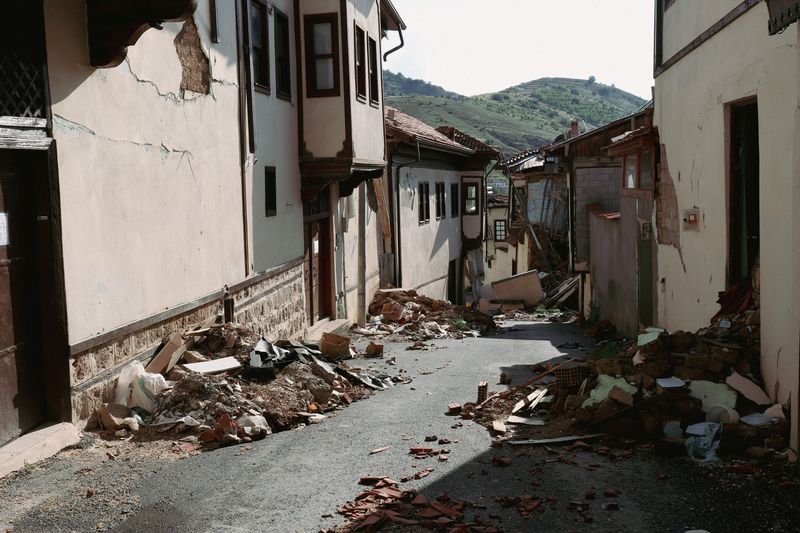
pixel 76 127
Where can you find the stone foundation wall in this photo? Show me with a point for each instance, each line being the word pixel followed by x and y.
pixel 274 307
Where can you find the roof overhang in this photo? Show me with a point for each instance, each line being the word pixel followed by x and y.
pixel 391 18
pixel 114 25
pixel 406 137
pixel 782 14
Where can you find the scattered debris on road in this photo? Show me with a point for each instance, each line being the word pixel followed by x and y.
pixel 400 314
pixel 692 393
pixel 228 385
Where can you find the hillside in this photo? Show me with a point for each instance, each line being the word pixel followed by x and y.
pixel 399 85
pixel 517 118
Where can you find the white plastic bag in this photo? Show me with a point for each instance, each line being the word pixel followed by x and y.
pixel 138 388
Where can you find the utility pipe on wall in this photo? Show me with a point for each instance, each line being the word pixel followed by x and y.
pixel 362 254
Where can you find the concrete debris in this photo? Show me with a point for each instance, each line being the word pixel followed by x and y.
pixel 406 315
pixel 652 387
pixel 238 387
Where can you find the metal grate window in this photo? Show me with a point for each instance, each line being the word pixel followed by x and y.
pixel 21 85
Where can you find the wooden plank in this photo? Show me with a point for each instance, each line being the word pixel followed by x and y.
pixel 16 143
pixel 557 440
pixel 524 421
pixel 23 122
pixel 22 133
pixel 383 210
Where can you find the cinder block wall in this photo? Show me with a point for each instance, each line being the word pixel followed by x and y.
pixel 599 185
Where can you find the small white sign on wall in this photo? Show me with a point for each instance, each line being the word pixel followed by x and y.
pixel 3 229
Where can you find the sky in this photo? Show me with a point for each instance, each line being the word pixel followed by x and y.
pixel 474 46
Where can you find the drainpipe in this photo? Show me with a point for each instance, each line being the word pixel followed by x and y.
pixel 399 260
pixel 396 48
pixel 245 132
pixel 362 254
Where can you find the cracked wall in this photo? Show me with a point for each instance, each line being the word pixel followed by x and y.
pixel 692 101
pixel 196 72
pixel 150 182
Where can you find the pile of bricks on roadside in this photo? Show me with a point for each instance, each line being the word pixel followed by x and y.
pixel 674 386
pixel 407 315
pixel 224 384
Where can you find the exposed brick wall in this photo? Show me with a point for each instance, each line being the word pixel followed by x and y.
pixel 275 307
pixel 596 185
pixel 667 218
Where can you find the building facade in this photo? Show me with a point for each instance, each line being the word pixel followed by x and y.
pixel 152 168
pixel 729 189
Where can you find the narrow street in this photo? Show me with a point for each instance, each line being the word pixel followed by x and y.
pixel 296 480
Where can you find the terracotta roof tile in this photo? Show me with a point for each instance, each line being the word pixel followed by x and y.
pixel 416 128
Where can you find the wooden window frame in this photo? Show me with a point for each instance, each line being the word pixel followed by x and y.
pixel 270 192
pixel 281 91
pixel 360 61
pixel 465 197
pixel 424 203
pixel 455 200
pixel 638 155
pixel 373 71
pixel 262 69
pixel 441 206
pixel 504 230
pixel 309 21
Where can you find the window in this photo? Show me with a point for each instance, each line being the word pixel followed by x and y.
pixel 361 64
pixel 259 44
pixel 322 55
pixel 454 200
pixel 470 199
pixel 500 230
pixel 631 171
pixel 270 192
pixel 638 170
pixel 374 72
pixel 424 202
pixel 283 65
pixel 441 209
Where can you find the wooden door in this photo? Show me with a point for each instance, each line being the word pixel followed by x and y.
pixel 316 269
pixel 21 374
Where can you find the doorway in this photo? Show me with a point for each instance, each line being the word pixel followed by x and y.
pixel 317 259
pixel 743 210
pixel 22 394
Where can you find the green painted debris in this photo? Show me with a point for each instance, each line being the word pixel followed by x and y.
pixel 604 385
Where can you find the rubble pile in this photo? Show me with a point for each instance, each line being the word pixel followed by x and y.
pixel 229 385
pixel 690 392
pixel 411 316
pixel 386 504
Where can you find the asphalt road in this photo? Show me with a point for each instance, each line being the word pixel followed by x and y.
pixel 295 480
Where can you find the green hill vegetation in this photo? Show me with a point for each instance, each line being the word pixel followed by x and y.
pixel 517 118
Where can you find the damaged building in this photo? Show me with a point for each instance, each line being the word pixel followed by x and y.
pixel 166 162
pixel 726 201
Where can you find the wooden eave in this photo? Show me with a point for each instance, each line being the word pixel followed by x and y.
pixel 114 25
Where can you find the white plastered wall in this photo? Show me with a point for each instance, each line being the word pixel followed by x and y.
pixel 692 99
pixel 276 239
pixel 428 248
pixel 367 119
pixel 323 118
pixel 346 256
pixel 150 181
